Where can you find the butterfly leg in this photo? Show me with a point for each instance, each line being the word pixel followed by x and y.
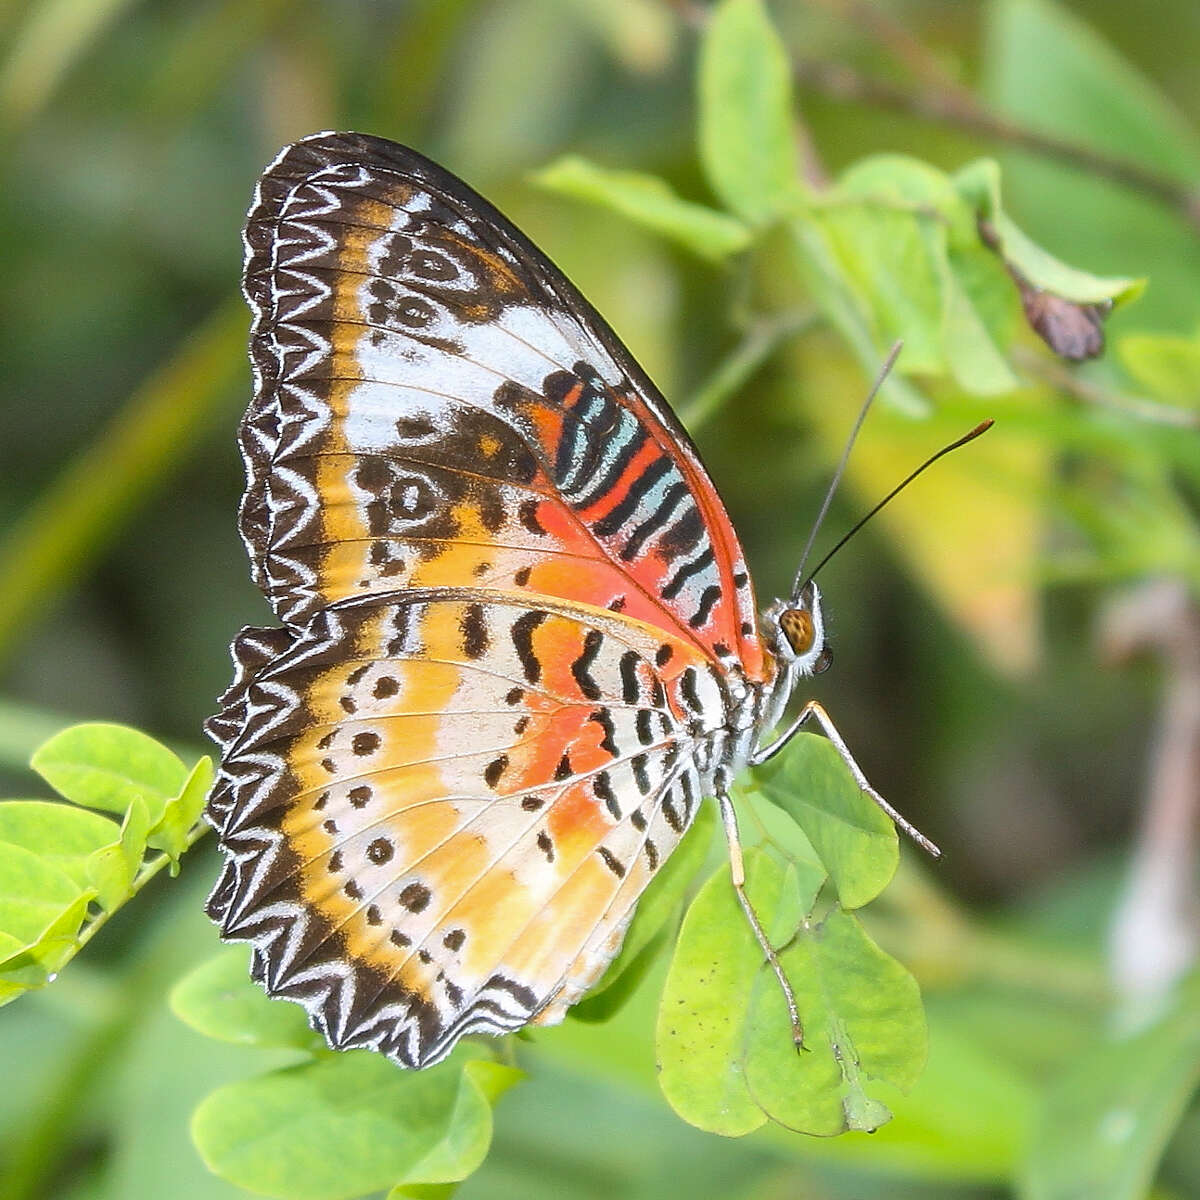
pixel 737 871
pixel 813 709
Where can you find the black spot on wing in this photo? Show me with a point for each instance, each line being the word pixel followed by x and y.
pixel 612 862
pixel 602 786
pixel 630 687
pixel 522 639
pixel 473 627
pixel 708 598
pixel 608 742
pixel 583 664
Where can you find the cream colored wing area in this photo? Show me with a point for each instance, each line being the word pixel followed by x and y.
pixel 439 809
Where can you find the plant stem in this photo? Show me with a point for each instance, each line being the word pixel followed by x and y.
pixel 1073 385
pixel 145 873
pixel 761 340
pixel 844 83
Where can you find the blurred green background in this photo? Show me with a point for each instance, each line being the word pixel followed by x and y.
pixel 984 630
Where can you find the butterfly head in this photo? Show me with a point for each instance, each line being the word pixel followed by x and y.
pixel 800 632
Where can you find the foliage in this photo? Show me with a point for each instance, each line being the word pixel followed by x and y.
pixel 65 870
pixel 762 264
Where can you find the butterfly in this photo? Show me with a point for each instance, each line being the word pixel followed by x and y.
pixel 519 641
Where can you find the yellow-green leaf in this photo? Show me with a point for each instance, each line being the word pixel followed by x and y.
pixel 650 202
pixel 747 134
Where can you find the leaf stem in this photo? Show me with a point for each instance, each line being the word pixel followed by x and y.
pixel 146 872
pixel 1084 390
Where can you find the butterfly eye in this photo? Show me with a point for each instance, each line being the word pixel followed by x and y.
pixel 797 626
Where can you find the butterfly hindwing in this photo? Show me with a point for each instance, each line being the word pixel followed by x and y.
pixel 436 406
pixel 439 807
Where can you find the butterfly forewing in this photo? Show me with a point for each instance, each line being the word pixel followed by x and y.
pixel 437 406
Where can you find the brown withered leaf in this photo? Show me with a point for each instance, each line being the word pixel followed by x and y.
pixel 1072 329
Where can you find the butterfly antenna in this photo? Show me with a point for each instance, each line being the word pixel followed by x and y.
pixel 888 363
pixel 981 428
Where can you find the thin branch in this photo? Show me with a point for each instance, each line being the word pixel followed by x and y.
pixel 761 340
pixel 146 872
pixel 844 83
pixel 1089 393
pixel 865 17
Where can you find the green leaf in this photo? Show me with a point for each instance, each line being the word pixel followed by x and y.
pixel 1045 68
pixel 105 766
pixel 659 902
pixel 862 1018
pixel 650 202
pixel 422 1191
pixel 468 1134
pixel 58 833
pixel 10 989
pixel 34 893
pixel 1050 69
pixel 349 1124
pixel 726 1058
pixel 856 842
pixel 848 310
pixel 700 1035
pixel 35 963
pixel 747 132
pixel 907 243
pixel 220 1000
pixel 776 829
pixel 112 869
pixel 1166 365
pixel 182 812
pixel 979 184
pixel 1105 1121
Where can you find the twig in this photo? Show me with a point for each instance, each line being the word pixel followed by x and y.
pixel 146 872
pixel 904 46
pixel 1089 393
pixel 761 340
pixel 844 83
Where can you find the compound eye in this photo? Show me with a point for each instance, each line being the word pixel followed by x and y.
pixel 824 661
pixel 797 626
